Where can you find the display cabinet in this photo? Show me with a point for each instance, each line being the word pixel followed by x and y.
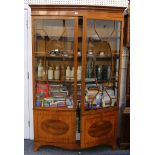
pixel 76 54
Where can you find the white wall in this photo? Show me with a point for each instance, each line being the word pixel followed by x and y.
pixel 29 69
pixel 26 92
pixel 117 3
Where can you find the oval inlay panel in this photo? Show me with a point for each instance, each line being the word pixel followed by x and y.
pixel 100 129
pixel 54 127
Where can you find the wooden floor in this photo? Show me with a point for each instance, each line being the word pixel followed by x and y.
pixel 100 150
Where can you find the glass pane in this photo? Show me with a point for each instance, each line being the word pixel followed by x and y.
pixel 102 63
pixel 54 62
pixel 54 34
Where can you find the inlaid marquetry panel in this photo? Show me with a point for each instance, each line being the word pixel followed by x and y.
pixel 100 129
pixel 54 127
pixel 97 129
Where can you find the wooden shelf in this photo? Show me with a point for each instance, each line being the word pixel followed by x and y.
pixel 54 56
pixel 43 54
pixel 57 81
pixel 116 56
pixel 100 81
pixel 70 57
pixel 74 109
pixel 79 81
pixel 100 110
pixel 71 38
pixel 54 109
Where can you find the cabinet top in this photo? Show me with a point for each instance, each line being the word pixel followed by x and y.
pixel 71 9
pixel 76 7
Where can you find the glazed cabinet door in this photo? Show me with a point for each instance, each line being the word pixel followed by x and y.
pixel 54 78
pixel 101 53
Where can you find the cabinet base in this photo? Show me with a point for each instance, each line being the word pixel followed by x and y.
pixel 74 146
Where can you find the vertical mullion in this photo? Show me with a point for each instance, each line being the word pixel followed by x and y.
pixel 75 59
pixel 120 62
pixel 84 45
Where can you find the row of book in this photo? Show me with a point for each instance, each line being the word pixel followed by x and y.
pixel 59 96
pixel 96 97
pixel 53 96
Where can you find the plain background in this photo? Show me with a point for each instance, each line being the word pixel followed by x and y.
pixel 12 77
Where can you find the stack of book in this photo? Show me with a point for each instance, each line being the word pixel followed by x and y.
pixel 92 100
pixel 58 90
pixel 54 102
pixel 91 92
pixel 57 96
pixel 109 101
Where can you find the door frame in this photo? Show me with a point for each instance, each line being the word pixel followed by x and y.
pixel 29 70
pixel 26 80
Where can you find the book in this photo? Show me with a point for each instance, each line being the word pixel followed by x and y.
pixel 60 103
pixel 42 90
pixel 58 94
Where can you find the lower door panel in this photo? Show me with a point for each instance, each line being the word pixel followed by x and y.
pixel 56 127
pixel 97 129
